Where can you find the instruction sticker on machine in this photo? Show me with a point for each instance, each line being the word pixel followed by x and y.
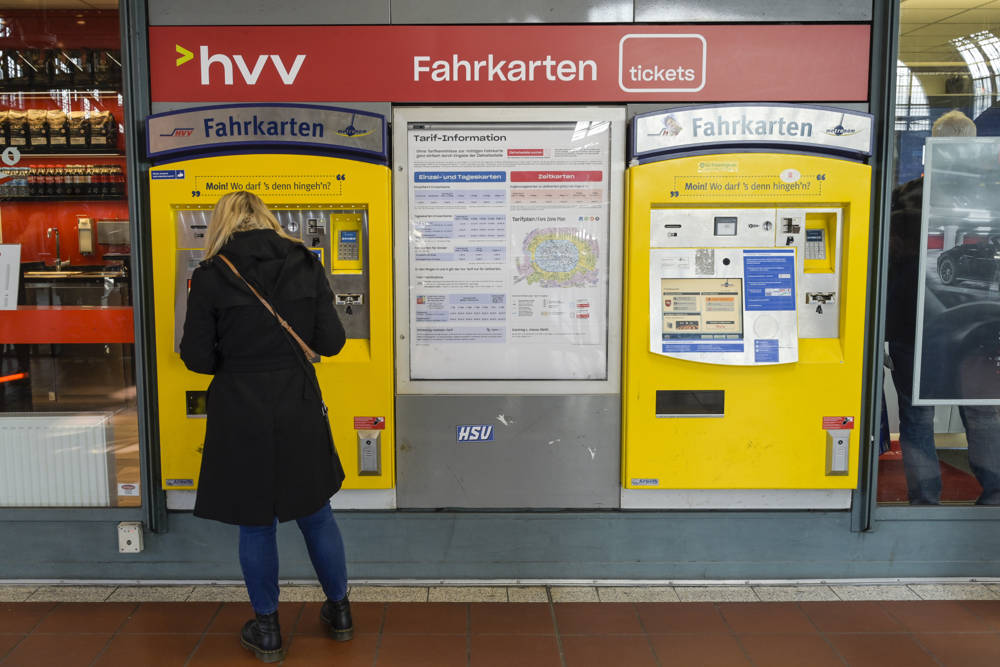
pixel 702 314
pixel 723 305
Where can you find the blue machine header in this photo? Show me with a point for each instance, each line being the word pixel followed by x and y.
pixel 304 127
pixel 742 127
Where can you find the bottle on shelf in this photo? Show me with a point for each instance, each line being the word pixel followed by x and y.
pixel 32 181
pixel 72 181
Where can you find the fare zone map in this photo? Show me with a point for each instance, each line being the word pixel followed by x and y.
pixel 559 257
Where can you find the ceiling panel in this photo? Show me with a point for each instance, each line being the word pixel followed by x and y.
pixel 956 5
pixel 947 30
pixel 926 15
pixel 983 16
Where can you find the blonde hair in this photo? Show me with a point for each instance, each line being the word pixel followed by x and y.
pixel 953 124
pixel 239 212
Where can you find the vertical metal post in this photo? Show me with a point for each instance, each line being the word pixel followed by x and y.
pixel 882 96
pixel 135 74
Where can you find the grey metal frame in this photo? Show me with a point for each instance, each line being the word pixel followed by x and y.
pixel 918 344
pixel 135 81
pixel 867 512
pixel 137 107
pixel 882 97
pixel 513 114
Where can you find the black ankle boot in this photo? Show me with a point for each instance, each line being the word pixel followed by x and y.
pixel 337 615
pixel 262 635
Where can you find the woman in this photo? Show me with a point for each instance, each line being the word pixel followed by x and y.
pixel 268 455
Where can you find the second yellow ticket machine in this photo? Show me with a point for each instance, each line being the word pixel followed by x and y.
pixel 745 304
pixel 323 173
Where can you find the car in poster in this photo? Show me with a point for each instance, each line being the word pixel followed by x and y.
pixel 970 261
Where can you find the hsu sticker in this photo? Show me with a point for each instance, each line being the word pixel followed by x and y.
pixel 474 433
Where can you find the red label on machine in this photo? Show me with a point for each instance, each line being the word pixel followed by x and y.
pixel 369 423
pixel 509 63
pixel 554 176
pixel 838 423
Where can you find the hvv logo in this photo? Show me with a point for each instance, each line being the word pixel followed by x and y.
pixel 250 75
pixel 474 433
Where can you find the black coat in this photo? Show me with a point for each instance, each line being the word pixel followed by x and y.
pixel 903 281
pixel 267 450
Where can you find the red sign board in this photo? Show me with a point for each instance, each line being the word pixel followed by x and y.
pixel 369 423
pixel 838 423
pixel 509 63
pixel 554 176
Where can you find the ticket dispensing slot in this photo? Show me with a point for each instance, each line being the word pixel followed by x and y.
pixel 685 403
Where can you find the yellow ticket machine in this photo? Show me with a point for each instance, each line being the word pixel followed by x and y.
pixel 745 305
pixel 329 186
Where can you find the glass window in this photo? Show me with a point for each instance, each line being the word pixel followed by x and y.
pixel 68 421
pixel 942 427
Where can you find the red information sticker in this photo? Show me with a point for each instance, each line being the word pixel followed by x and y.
pixel 369 423
pixel 837 423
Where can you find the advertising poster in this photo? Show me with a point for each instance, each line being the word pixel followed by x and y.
pixel 954 238
pixel 508 251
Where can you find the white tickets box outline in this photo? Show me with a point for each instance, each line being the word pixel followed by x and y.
pixel 621 63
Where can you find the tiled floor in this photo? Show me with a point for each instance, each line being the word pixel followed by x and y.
pixel 627 633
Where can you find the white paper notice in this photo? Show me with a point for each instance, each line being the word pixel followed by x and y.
pixel 508 265
pixel 10 274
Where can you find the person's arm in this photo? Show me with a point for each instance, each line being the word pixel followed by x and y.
pixel 328 336
pixel 198 344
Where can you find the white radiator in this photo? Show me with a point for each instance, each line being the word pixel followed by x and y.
pixel 54 460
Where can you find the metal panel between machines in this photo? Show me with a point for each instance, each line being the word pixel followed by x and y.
pixel 535 451
pixel 508 319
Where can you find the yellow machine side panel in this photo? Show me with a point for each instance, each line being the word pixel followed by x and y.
pixel 771 435
pixel 355 383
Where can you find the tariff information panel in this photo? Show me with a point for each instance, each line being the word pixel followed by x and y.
pixel 508 250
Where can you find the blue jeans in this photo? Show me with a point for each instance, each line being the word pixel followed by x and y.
pixel 916 438
pixel 259 558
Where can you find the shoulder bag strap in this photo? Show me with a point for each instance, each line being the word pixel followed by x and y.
pixel 311 356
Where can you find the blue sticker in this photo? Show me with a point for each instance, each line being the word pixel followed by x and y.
pixel 460 177
pixel 765 351
pixel 678 348
pixel 167 174
pixel 474 433
pixel 769 279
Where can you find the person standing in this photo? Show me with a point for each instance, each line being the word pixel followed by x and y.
pixel 268 454
pixel 916 422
